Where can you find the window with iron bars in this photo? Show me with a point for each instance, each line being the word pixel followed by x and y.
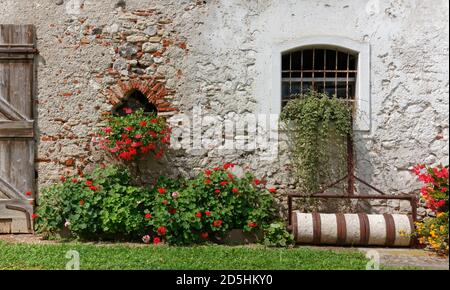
pixel 329 71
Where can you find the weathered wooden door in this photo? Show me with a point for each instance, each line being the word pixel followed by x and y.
pixel 17 180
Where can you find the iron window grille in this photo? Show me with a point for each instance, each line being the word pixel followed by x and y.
pixel 329 71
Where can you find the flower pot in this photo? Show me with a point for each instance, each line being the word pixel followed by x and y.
pixel 238 237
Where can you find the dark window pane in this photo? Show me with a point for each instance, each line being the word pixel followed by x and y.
pixel 285 62
pixel 319 59
pixel 285 90
pixel 307 59
pixel 297 60
pixel 342 60
pixel 331 59
pixel 352 62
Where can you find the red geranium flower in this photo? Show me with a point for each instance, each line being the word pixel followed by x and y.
pixel 34 216
pixel 162 190
pixel 217 191
pixel 204 235
pixel 217 223
pixel 129 128
pixel 228 165
pixel 207 181
pixel 62 178
pixel 216 169
pixel 93 188
pixel 207 213
pixel 223 183
pixel 28 193
pixel 89 183
pixel 230 176
pixel 74 180
pixel 143 123
pixel 252 224
pixel 81 202
pixel 272 190
pixel 208 172
pixel 257 181
pixel 235 190
pixel 154 121
pixel 198 214
pixel 162 230
pixel 148 216
pixel 156 240
pixel 107 130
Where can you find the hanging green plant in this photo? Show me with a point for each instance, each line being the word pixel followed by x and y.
pixel 318 126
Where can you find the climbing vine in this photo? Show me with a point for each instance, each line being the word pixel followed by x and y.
pixel 317 126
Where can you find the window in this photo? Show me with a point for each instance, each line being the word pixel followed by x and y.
pixel 136 100
pixel 329 71
pixel 295 70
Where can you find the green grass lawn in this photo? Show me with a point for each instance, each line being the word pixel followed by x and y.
pixel 92 256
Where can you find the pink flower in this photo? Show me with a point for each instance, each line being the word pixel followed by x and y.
pixel 174 194
pixel 146 239
pixel 107 130
pixel 138 136
pixel 128 129
pixel 127 110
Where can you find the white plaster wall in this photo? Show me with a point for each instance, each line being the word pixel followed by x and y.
pixel 228 71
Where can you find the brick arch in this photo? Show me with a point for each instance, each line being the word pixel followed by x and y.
pixel 155 92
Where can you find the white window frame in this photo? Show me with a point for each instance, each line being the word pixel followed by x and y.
pixel 362 120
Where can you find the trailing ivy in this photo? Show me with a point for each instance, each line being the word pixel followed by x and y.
pixel 317 126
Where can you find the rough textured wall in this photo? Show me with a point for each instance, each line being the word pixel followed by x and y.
pixel 219 54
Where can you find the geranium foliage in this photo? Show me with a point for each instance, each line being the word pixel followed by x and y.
pixel 206 207
pixel 433 230
pixel 134 134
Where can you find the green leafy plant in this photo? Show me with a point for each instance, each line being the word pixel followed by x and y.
pixel 318 126
pixel 432 231
pixel 276 235
pixel 101 205
pixel 133 134
pixel 208 206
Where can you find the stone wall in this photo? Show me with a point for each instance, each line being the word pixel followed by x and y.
pixel 218 54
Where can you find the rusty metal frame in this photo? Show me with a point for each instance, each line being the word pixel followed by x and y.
pixel 350 194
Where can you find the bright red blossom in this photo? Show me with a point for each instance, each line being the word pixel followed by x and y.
pixel 162 230
pixel 198 215
pixel 217 223
pixel 235 190
pixel 156 240
pixel 207 213
pixel 34 216
pixel 28 193
pixel 148 216
pixel 162 190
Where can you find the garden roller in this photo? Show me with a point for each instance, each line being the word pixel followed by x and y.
pixel 392 230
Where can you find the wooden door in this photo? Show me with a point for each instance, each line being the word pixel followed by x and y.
pixel 17 172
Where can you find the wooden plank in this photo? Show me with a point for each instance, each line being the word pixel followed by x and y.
pixel 5 34
pixel 20 83
pixel 5 163
pixel 18 129
pixel 22 169
pixel 10 191
pixel 10 112
pixel 4 80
